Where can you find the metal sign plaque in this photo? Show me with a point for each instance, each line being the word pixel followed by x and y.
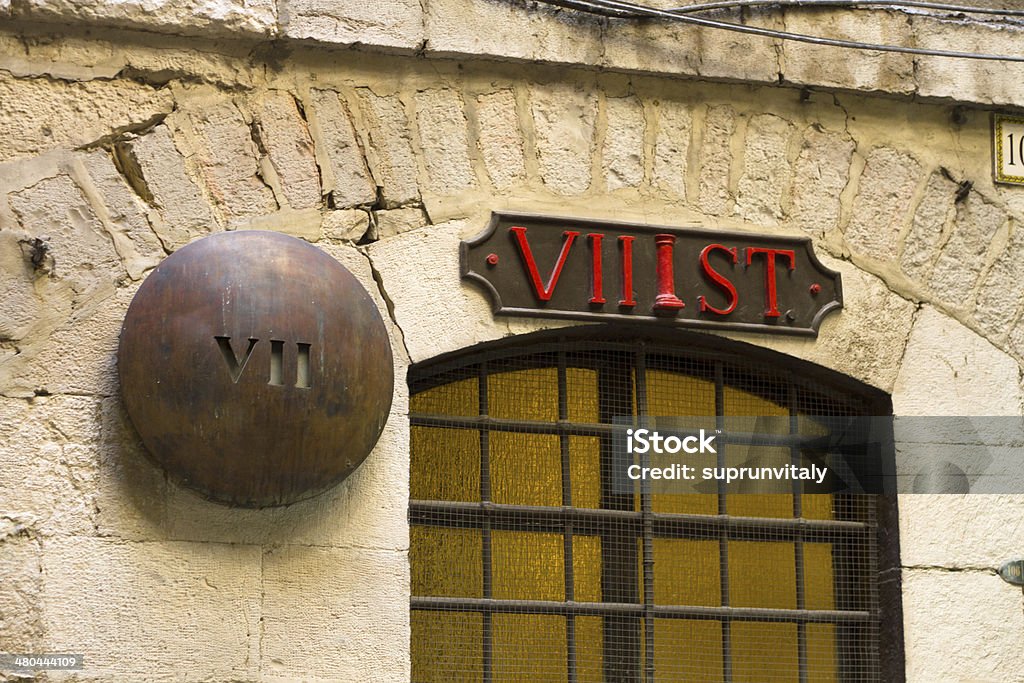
pixel 1008 149
pixel 256 368
pixel 542 266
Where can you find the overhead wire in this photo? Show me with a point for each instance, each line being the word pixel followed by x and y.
pixel 621 9
pixel 896 4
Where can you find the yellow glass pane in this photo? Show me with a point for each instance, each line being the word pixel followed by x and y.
pixel 821 653
pixel 817 506
pixel 764 652
pixel 760 505
pixel 685 503
pixel 527 565
pixel 529 647
pixel 444 464
pixel 686 572
pixel 455 398
pixel 818 578
pixel 590 649
pixel 687 650
pixel 524 394
pixel 526 469
pixel 446 647
pixel 762 574
pixel 581 395
pixel 738 402
pixel 446 562
pixel 671 394
pixel 586 568
pixel 585 471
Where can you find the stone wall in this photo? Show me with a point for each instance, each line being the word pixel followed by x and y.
pixel 121 147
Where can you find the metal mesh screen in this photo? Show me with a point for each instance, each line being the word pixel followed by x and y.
pixel 528 566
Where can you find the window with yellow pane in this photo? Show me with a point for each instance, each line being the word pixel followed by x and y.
pixel 528 565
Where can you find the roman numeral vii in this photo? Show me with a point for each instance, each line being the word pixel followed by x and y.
pixel 236 365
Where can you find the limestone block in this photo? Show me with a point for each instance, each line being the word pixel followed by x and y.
pixel 441 125
pixel 122 213
pixel 227 158
pixel 342 162
pixel 623 158
pixel 22 304
pixel 501 29
pixel 564 117
pixel 766 170
pixel 157 170
pixel 821 172
pixel 976 530
pixel 1002 290
pixel 257 17
pixel 349 225
pixel 38 114
pixel 716 159
pixel 48 464
pixel 397 221
pixel 392 161
pixel 82 251
pixel 822 65
pixel 171 605
pixel 930 219
pixel 21 628
pixel 420 272
pixel 285 137
pixel 963 256
pixel 500 139
pixel 963 622
pixel 886 187
pixel 969 79
pixel 950 370
pixel 354 621
pixel 383 23
pixel 671 147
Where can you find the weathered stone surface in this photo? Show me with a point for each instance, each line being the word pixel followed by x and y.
pixel 218 17
pixel 978 530
pixel 843 68
pixel 973 80
pixel 821 172
pixel 21 629
pixel 82 251
pixel 766 170
pixel 716 159
pixel 155 166
pixel 886 187
pixel 106 598
pixel 285 137
pixel 38 114
pixel 397 221
pixel 963 256
pixel 671 147
pixel 383 23
pixel 227 159
pixel 933 213
pixel 121 211
pixel 349 225
pixel 949 370
pixel 22 305
pixel 943 610
pixel 623 158
pixel 342 162
pixel 535 33
pixel 391 159
pixel 564 118
pixel 1001 293
pixel 355 610
pixel 441 124
pixel 499 138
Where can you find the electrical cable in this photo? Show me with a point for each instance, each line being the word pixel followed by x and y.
pixel 896 4
pixel 627 10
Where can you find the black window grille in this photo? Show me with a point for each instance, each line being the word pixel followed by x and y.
pixel 528 566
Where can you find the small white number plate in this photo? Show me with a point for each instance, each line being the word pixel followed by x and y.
pixel 1009 149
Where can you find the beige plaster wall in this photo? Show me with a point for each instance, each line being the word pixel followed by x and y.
pixel 121 147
